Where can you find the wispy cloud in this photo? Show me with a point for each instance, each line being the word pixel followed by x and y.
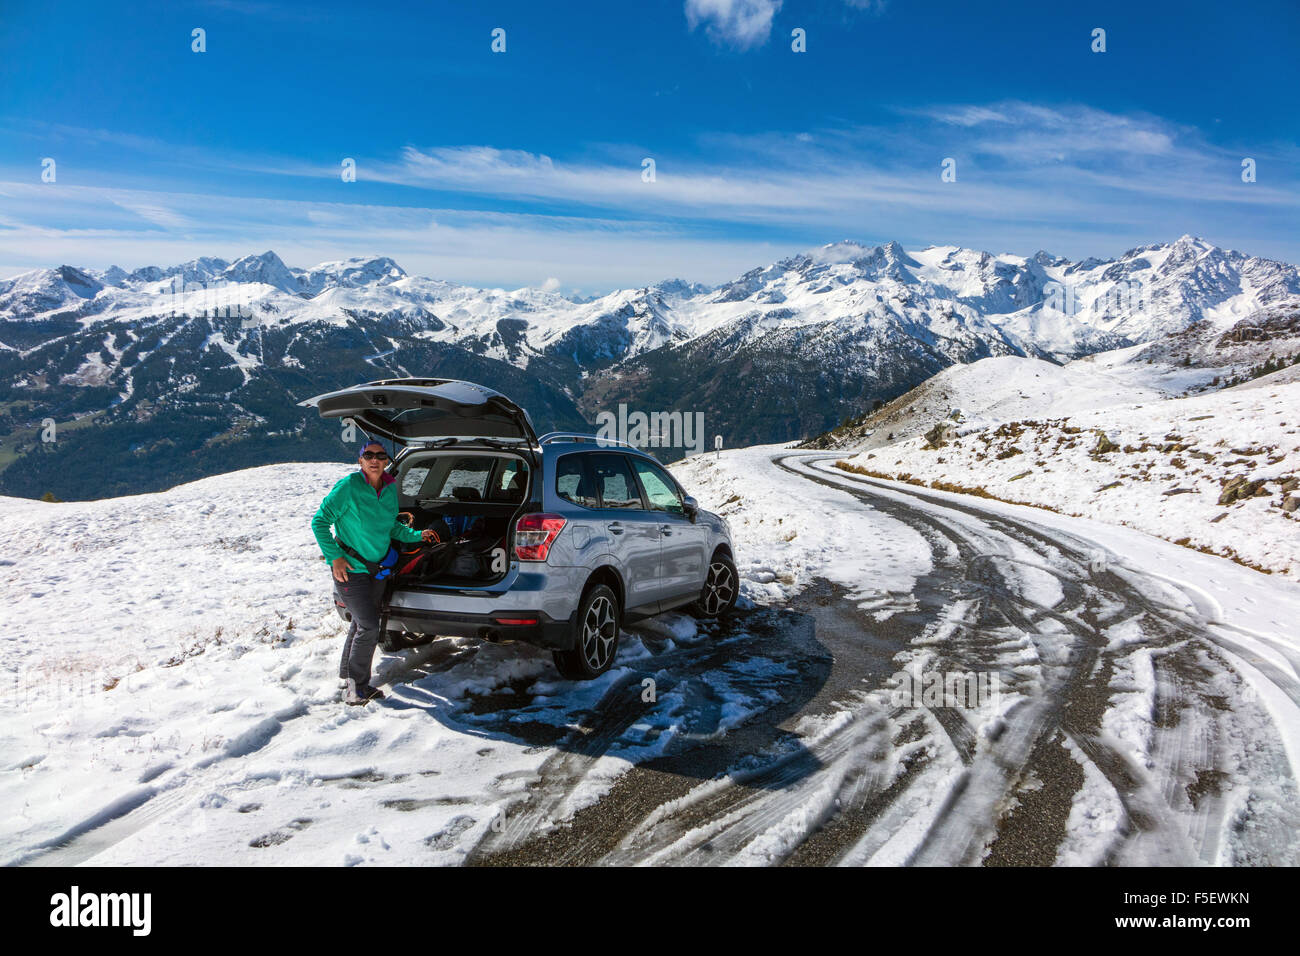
pixel 155 213
pixel 1015 160
pixel 1029 132
pixel 473 246
pixel 741 24
pixel 747 24
pixel 1074 179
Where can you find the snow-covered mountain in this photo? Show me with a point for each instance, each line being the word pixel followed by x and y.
pixel 1040 304
pixel 1216 470
pixel 1202 357
pixel 209 353
pixel 48 290
pixel 261 290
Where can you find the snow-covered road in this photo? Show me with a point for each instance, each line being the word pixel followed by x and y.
pixel 1129 728
pixel 1136 724
pixel 1148 707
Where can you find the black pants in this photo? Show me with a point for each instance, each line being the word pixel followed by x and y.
pixel 361 595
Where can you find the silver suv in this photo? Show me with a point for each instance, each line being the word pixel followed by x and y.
pixel 560 539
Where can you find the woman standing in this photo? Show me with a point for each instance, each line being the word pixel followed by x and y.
pixel 362 509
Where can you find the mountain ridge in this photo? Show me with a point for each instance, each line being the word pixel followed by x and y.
pixel 212 354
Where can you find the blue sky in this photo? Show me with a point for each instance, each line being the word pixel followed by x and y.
pixel 525 166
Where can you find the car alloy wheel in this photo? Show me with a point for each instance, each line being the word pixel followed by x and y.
pixel 599 632
pixel 719 588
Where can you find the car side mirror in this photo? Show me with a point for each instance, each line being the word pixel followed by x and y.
pixel 691 507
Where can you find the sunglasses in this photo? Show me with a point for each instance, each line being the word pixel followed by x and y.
pixel 374 456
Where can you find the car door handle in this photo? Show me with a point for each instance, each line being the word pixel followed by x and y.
pixel 665 530
pixel 615 528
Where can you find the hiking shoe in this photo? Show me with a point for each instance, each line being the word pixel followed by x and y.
pixel 361 693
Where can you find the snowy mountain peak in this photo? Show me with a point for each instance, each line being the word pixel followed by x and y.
pixel 267 269
pixel 679 288
pixel 48 290
pixel 352 273
pixel 79 282
pixel 846 250
pixel 113 276
pixel 857 254
pixel 203 269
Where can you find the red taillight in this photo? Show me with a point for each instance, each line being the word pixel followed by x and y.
pixel 534 535
pixel 514 621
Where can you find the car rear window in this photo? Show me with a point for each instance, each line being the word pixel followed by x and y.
pixel 413 480
pixel 465 478
pixel 572 483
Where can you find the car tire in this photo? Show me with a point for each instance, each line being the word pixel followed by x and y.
pixel 595 636
pixel 394 641
pixel 721 588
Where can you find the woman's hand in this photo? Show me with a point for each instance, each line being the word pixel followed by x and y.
pixel 428 534
pixel 340 568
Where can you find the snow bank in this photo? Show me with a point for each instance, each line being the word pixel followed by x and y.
pixel 786 533
pixel 1163 468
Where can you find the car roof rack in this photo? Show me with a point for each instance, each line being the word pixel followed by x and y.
pixel 581 437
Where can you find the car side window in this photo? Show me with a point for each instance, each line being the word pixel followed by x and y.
pixel 510 482
pixel 572 483
pixel 615 485
pixel 660 490
pixel 413 480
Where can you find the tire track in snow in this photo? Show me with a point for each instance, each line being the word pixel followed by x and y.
pixel 528 834
pixel 881 784
pixel 1153 822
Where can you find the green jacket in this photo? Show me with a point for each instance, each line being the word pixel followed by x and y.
pixel 363 519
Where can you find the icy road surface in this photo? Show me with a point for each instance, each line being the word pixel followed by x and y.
pixel 1147 711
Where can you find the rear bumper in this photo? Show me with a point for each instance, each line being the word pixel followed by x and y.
pixel 530 627
pixel 548 595
pixel 500 627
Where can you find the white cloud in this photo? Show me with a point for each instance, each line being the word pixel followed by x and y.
pixel 552 284
pixel 491 249
pixel 737 23
pixel 1030 132
pixel 1017 161
pixel 744 24
pixel 1072 179
pixel 155 213
pixel 469 163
